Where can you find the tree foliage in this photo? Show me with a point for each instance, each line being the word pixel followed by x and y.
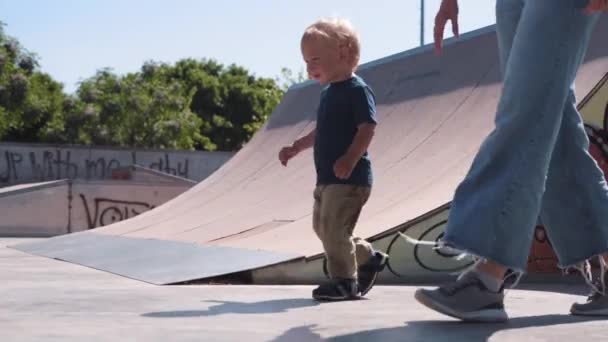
pixel 192 104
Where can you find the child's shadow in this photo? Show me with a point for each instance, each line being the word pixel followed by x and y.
pixel 223 307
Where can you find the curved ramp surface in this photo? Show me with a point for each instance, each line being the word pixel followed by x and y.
pixel 433 113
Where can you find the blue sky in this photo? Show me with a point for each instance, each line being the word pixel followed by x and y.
pixel 74 38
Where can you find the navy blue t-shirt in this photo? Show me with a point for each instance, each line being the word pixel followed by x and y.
pixel 343 107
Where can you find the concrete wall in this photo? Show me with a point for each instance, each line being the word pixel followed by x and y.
pixel 26 163
pixel 67 206
pixel 36 210
pixel 95 205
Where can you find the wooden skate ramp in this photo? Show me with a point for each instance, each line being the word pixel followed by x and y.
pixel 433 114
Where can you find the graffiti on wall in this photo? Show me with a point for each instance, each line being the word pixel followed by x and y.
pixel 104 211
pixel 164 164
pixel 406 259
pixel 594 110
pixel 48 165
pixel 19 165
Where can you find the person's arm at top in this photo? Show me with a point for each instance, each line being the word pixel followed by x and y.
pixel 448 11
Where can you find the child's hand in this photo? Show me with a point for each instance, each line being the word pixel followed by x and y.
pixel 287 153
pixel 344 167
pixel 596 6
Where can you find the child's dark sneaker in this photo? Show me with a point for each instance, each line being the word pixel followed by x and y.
pixel 368 272
pixel 336 289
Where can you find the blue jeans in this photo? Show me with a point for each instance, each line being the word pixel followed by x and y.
pixel 536 161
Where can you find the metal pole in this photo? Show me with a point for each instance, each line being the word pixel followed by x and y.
pixel 421 22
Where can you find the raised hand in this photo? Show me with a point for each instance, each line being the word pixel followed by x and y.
pixel 448 11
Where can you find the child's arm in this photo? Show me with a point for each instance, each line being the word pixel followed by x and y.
pixel 345 165
pixel 305 142
pixel 298 146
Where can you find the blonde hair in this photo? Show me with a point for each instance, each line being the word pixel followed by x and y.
pixel 340 31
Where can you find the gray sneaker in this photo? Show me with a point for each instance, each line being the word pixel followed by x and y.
pixel 467 299
pixel 597 302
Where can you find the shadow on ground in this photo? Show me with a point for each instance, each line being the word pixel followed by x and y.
pixel 455 331
pixel 224 307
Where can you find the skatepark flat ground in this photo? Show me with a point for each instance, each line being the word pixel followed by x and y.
pixel 51 300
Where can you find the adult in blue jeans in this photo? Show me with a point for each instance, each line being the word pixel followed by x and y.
pixel 535 163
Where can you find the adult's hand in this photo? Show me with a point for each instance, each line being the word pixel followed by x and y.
pixel 448 11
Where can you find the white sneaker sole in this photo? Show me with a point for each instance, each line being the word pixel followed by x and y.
pixel 486 315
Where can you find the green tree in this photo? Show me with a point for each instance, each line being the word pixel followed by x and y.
pixel 30 101
pixel 132 111
pixel 231 102
pixel 192 104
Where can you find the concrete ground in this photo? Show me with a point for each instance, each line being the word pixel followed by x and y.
pixel 48 300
